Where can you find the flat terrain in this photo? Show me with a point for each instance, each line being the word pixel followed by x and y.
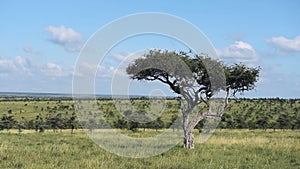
pixel 225 149
pixel 243 114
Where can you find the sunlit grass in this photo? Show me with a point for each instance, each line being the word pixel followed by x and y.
pixel 225 149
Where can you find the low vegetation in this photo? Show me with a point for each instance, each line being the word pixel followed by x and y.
pixel 57 114
pixel 45 133
pixel 225 149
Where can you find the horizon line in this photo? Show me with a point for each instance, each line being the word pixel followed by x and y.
pixel 109 95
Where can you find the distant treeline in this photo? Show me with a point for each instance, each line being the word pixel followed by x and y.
pixel 60 113
pixel 15 96
pixel 262 114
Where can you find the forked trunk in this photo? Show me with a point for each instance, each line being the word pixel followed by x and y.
pixel 189 140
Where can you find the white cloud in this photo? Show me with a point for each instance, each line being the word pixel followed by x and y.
pixel 26 66
pixel 18 65
pixel 54 70
pixel 285 45
pixel 126 57
pixel 87 69
pixel 238 49
pixel 67 37
pixel 22 64
pixel 106 71
pixel 6 66
pixel 238 52
pixel 28 74
pixel 99 71
pixel 119 56
pixel 123 59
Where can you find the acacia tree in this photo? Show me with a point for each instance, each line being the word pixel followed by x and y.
pixel 195 77
pixel 7 122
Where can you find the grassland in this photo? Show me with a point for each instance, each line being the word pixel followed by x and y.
pixel 243 113
pixel 268 146
pixel 225 149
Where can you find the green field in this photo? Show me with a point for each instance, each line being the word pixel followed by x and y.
pixel 253 133
pixel 225 149
pixel 243 114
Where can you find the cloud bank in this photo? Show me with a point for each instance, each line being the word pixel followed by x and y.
pixel 239 51
pixel 66 37
pixel 28 67
pixel 285 45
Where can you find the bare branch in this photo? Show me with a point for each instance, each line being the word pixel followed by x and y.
pixel 196 120
pixel 206 102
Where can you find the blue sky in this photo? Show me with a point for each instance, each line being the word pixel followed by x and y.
pixel 40 41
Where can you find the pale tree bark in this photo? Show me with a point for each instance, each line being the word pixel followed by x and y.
pixel 189 139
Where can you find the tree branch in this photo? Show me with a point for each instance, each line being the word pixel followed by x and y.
pixel 206 102
pixel 196 120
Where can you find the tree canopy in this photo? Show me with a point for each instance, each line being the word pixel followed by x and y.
pixel 182 71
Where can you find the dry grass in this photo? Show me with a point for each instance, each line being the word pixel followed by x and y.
pixel 225 149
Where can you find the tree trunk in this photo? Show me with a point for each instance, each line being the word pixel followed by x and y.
pixel 188 140
pixel 72 129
